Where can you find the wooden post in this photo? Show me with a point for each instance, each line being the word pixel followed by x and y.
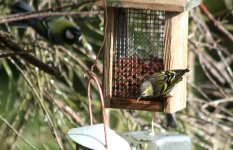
pixel 175 56
pixel 108 55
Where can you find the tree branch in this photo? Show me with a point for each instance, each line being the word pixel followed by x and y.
pixel 6 40
pixel 216 23
pixel 23 16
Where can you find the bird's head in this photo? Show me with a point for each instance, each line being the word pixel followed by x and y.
pixel 72 35
pixel 145 89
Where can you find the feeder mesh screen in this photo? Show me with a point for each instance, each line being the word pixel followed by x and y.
pixel 138 49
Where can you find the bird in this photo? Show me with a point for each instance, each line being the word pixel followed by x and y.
pixel 161 84
pixel 57 30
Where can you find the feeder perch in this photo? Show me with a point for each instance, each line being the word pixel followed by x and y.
pixel 144 37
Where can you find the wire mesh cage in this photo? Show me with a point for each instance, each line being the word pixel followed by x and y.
pixel 142 38
pixel 138 49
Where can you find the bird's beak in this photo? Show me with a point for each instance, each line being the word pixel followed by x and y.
pixel 139 98
pixel 188 72
pixel 80 38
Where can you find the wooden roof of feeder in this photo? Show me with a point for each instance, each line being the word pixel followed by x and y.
pixel 166 5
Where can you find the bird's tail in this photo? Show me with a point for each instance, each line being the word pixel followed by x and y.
pixel 171 120
pixel 22 7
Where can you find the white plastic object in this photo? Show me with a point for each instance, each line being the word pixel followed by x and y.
pixel 92 137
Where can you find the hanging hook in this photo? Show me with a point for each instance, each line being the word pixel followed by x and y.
pixel 92 76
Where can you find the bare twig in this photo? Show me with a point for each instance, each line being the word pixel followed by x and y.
pixel 201 60
pixel 16 132
pixel 72 5
pixel 105 33
pixel 212 43
pixel 65 108
pixel 216 23
pixel 200 91
pixel 74 57
pixel 13 46
pixel 198 53
pixel 23 16
pixel 21 122
pixel 43 107
pixel 14 54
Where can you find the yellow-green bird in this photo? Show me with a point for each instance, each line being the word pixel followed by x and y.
pixel 160 84
pixel 57 30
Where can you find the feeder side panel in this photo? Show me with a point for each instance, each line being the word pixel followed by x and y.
pixel 175 53
pixel 108 53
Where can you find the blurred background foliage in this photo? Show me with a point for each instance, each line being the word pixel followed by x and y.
pixel 41 108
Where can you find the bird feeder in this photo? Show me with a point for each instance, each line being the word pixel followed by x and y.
pixel 144 37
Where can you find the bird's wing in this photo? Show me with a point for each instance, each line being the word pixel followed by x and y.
pixel 159 84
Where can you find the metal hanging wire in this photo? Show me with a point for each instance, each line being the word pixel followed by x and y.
pixel 92 76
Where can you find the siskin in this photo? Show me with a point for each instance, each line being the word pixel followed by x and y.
pixel 160 84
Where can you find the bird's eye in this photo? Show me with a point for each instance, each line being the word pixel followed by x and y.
pixel 143 94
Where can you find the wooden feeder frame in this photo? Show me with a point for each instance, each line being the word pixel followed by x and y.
pixel 175 51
